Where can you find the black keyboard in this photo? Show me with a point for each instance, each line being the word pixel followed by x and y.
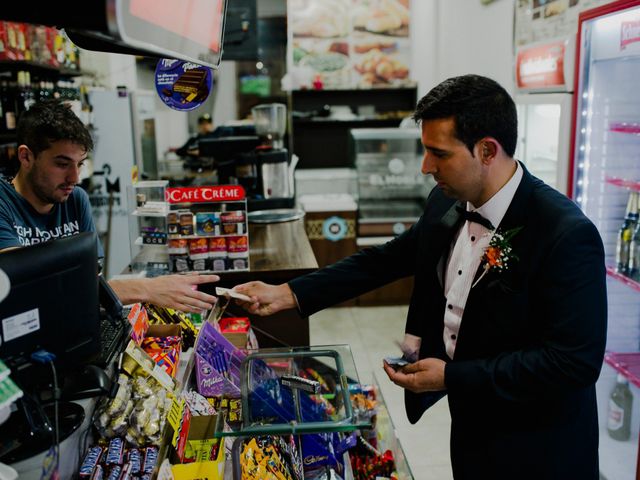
pixel 113 336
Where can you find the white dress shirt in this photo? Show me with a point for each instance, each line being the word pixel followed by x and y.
pixel 464 258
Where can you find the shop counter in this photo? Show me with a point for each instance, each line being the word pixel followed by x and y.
pixel 278 252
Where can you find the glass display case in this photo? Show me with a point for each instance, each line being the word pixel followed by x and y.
pixel 148 231
pixel 387 162
pixel 292 390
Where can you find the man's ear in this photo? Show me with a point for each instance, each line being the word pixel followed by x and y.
pixel 25 157
pixel 488 148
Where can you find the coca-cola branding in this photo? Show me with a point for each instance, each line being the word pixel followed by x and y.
pixel 221 193
pixel 629 33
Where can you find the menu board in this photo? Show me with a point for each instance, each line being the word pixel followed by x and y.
pixel 338 44
pixel 538 20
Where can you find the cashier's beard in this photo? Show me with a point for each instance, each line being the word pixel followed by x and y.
pixel 42 187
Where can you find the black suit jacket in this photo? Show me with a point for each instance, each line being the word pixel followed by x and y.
pixel 521 385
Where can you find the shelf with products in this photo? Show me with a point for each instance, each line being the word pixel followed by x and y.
pixel 42 69
pixel 148 223
pixel 208 229
pixel 138 212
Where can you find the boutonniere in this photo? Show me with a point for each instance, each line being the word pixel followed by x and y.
pixel 499 253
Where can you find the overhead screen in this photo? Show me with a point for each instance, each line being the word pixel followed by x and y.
pixel 186 29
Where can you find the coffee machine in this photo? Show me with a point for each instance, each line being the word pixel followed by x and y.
pixel 259 163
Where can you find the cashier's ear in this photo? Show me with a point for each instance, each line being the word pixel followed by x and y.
pixel 25 157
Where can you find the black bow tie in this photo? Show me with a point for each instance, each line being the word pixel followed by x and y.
pixel 474 217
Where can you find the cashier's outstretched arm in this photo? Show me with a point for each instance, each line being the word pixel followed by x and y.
pixel 267 299
pixel 174 291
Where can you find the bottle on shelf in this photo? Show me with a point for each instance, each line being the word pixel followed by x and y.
pixel 634 254
pixel 619 416
pixel 8 121
pixel 624 260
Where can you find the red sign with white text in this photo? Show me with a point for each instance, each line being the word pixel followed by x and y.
pixel 541 66
pixel 219 193
pixel 629 33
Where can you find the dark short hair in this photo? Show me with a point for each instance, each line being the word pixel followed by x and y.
pixel 50 121
pixel 479 106
pixel 205 118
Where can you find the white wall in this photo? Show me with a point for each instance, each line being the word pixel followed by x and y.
pixel 455 37
pixel 225 106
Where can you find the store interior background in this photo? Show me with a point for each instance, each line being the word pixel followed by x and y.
pixel 448 38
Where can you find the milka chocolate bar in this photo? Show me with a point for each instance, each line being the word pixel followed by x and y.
pixel 190 82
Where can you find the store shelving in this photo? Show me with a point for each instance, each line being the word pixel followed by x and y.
pixel 611 271
pixel 628 364
pixel 142 213
pixel 624 183
pixel 632 128
pixel 41 68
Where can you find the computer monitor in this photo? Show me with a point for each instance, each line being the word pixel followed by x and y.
pixel 53 301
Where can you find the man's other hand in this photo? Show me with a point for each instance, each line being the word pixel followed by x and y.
pixel 180 292
pixel 266 299
pixel 426 375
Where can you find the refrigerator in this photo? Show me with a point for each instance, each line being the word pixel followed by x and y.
pixel 605 168
pixel 544 82
pixel 124 136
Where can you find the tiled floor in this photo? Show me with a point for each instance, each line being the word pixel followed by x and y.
pixel 371 332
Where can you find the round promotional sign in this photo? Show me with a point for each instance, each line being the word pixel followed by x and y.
pixel 183 85
pixel 334 228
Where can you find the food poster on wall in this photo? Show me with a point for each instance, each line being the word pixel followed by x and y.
pixel 538 20
pixel 349 43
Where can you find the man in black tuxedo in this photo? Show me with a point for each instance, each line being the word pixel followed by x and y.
pixel 509 322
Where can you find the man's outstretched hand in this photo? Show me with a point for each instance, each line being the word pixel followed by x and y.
pixel 174 291
pixel 266 299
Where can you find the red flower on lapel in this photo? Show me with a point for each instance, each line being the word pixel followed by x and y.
pixel 498 253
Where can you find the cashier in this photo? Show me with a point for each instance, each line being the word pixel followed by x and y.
pixel 205 128
pixel 41 203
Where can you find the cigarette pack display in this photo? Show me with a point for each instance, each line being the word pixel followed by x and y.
pixel 207 223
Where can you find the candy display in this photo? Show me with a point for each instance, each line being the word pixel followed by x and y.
pixel 168 316
pixel 367 462
pixel 270 458
pixel 151 417
pixel 165 351
pixel 137 412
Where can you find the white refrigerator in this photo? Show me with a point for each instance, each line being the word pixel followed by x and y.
pixel 605 169
pixel 124 137
pixel 544 81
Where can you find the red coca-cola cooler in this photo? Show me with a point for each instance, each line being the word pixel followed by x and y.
pixel 605 168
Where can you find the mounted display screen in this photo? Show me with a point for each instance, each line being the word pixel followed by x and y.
pixel 187 29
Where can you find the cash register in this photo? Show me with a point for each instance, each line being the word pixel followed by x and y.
pixel 52 333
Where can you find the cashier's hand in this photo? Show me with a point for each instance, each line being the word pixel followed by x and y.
pixel 267 299
pixel 426 375
pixel 174 291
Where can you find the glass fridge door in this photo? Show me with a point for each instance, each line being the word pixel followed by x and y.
pixel 606 171
pixel 543 136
